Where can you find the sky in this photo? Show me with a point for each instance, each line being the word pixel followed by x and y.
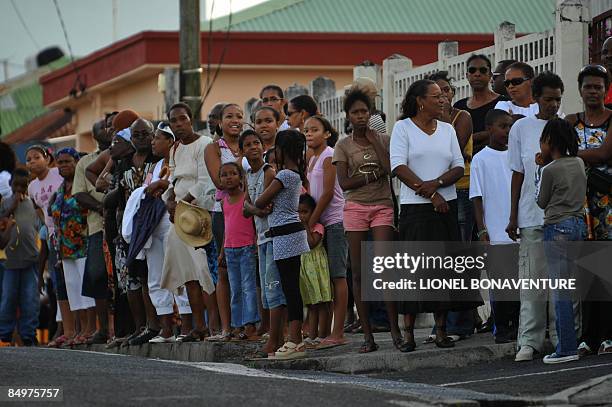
pixel 89 24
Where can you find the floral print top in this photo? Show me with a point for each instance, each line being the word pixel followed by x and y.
pixel 70 237
pixel 600 205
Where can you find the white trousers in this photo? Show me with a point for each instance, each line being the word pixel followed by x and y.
pixel 162 299
pixel 74 270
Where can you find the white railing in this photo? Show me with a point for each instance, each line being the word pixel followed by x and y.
pixel 562 50
pixel 333 111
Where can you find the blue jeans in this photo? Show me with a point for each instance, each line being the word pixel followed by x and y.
pixel 242 274
pixel 465 214
pixel 19 289
pixel 561 266
pixel 272 295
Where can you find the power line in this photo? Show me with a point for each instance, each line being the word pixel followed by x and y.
pixel 25 26
pixel 221 58
pixel 77 82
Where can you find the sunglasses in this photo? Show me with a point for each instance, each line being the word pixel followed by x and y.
pixel 272 99
pixel 515 81
pixel 483 70
pixel 597 67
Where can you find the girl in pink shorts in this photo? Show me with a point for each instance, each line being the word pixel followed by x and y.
pixel 362 166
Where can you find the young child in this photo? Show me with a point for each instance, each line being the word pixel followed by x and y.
pixel 561 195
pixel 490 195
pixel 259 177
pixel 20 279
pixel 326 191
pixel 239 250
pixel 315 284
pixel 289 238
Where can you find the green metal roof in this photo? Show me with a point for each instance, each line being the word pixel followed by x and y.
pixel 391 16
pixel 22 101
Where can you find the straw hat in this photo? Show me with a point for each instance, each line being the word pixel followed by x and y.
pixel 193 224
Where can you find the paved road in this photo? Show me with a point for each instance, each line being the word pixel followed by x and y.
pixel 100 379
pixel 532 379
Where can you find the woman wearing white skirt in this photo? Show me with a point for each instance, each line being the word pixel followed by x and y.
pixel 70 239
pixel 185 267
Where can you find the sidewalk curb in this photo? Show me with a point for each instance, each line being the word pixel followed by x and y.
pixel 353 363
pixel 565 396
pixel 186 352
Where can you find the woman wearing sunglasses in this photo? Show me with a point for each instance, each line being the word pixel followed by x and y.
pixel 518 85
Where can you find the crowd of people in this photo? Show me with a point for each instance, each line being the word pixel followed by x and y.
pixel 254 231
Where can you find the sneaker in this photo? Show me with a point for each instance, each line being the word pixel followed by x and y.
pixel 524 354
pixel 144 337
pixel 291 351
pixel 605 348
pixel 161 339
pixel 584 350
pixel 554 358
pixel 453 338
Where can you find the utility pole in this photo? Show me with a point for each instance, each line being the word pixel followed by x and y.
pixel 189 51
pixel 5 69
pixel 115 10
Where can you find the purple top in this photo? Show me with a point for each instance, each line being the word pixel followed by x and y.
pixel 333 213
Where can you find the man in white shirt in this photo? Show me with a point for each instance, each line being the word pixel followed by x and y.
pixel 526 216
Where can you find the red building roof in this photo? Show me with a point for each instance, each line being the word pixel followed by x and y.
pixel 244 48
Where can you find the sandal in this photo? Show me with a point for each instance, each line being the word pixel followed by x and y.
pixel 193 336
pixel 368 346
pixel 444 342
pixel 291 351
pixel 80 340
pixel 398 342
pixel 329 343
pixel 222 337
pixel 58 342
pixel 260 355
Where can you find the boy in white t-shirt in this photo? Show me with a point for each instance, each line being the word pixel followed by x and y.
pixel 490 195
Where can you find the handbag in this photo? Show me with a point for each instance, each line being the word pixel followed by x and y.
pixel 599 181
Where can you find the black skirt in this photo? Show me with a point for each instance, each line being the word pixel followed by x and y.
pixel 420 223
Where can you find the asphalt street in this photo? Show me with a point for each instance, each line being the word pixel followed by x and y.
pixel 99 379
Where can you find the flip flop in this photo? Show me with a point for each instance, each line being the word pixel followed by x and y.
pixel 329 343
pixel 260 355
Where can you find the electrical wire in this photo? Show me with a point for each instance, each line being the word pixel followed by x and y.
pixel 78 82
pixel 25 26
pixel 209 46
pixel 221 58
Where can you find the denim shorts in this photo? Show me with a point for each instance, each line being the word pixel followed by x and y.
pixel 272 295
pixel 336 245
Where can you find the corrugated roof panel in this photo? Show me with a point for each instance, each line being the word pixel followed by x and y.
pixel 392 16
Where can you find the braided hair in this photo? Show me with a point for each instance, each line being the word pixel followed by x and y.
pixel 560 135
pixel 292 144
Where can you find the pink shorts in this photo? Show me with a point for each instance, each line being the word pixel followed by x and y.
pixel 359 218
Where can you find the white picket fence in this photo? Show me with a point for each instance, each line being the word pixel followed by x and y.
pixel 332 109
pixel 563 50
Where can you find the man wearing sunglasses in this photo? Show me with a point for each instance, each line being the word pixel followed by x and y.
pixel 499 76
pixel 482 100
pixel 517 81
